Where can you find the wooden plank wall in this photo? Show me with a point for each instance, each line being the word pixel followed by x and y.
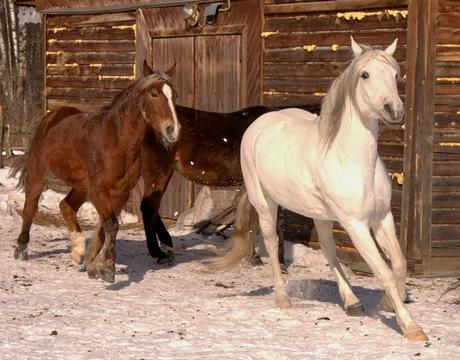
pixel 89 58
pixel 304 52
pixel 446 149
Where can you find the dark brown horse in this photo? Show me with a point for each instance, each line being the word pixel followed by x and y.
pixel 99 156
pixel 207 153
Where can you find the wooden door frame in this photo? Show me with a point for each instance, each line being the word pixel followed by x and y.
pixel 213 31
pixel 416 219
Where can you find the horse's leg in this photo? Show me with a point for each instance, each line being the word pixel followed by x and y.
pixel 267 220
pixel 280 234
pixel 69 207
pixel 366 246
pixel 155 186
pixel 351 303
pixel 94 245
pixel 102 264
pixel 36 181
pixel 165 239
pixel 385 234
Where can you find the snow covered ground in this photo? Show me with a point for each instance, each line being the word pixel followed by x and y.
pixel 49 309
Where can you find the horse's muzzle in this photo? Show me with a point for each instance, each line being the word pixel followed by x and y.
pixel 171 133
pixel 392 115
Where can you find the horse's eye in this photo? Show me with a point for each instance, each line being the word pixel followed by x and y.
pixel 153 93
pixel 397 76
pixel 365 75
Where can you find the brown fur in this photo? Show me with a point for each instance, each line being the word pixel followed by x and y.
pixel 99 156
pixel 207 153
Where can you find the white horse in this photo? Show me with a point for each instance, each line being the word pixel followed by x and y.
pixel 327 168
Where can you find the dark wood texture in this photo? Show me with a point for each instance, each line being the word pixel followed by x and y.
pixel 218 68
pixel 445 231
pixel 89 59
pixel 334 5
pixel 418 165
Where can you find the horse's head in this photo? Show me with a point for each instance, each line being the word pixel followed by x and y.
pixel 158 107
pixel 376 73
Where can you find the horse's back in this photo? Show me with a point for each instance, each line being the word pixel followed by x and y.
pixel 299 113
pixel 66 148
pixel 270 156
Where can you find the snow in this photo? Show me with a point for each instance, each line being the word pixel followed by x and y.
pixel 50 309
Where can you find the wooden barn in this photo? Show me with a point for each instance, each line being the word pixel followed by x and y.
pixel 285 52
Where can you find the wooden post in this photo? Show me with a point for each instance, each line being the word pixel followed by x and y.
pixel 1 137
pixel 418 153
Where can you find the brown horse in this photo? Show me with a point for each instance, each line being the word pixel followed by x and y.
pixel 207 153
pixel 99 156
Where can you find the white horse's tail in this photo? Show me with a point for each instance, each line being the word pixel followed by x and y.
pixel 241 245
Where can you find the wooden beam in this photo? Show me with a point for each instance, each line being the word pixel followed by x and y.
pixel 418 156
pixel 337 5
pixel 143 44
pixel 1 137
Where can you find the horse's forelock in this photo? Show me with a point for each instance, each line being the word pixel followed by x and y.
pixel 157 76
pixel 343 88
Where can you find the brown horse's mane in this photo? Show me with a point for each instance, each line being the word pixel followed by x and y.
pixel 124 98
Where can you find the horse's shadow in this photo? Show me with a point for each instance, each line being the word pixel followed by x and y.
pixel 326 291
pixel 134 255
pixel 51 253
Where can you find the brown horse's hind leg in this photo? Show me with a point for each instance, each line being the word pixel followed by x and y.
pixel 33 190
pixel 69 207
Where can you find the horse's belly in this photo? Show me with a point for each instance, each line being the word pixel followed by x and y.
pixel 300 197
pixel 70 169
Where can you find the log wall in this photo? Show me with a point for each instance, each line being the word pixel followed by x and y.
pixel 89 59
pixel 445 235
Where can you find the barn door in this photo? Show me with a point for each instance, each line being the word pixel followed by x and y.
pixel 208 77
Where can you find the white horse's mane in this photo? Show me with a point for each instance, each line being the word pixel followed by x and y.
pixel 344 88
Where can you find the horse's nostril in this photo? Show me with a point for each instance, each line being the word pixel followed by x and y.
pixel 169 130
pixel 388 109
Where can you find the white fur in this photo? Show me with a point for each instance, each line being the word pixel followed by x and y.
pixel 355 47
pixel 283 164
pixel 78 245
pixel 168 93
pixel 392 47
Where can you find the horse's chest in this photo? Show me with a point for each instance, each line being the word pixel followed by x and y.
pixel 351 194
pixel 129 177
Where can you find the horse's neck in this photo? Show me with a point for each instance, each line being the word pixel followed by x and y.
pixel 356 140
pixel 131 128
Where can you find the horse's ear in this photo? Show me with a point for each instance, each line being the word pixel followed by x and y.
pixel 357 49
pixel 171 71
pixel 146 69
pixel 392 48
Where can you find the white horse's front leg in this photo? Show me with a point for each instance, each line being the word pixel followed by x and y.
pixel 364 243
pixel 385 234
pixel 351 303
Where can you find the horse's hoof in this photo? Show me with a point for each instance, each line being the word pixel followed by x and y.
pixel 283 303
pixel 284 269
pixel 20 253
pixel 166 260
pixel 77 258
pixel 97 270
pixel 415 333
pixel 105 275
pixel 385 304
pixel 255 261
pixel 355 310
